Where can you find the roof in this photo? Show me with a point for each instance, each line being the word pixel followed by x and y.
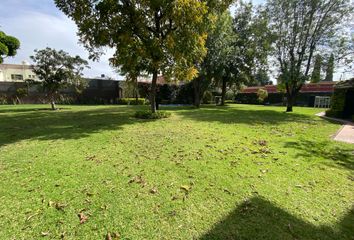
pixel 15 66
pixel 345 84
pixel 160 80
pixel 310 87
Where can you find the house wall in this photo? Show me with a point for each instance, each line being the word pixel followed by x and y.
pixel 16 72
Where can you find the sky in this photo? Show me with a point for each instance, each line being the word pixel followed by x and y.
pixel 39 24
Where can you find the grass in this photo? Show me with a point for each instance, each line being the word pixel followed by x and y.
pixel 237 172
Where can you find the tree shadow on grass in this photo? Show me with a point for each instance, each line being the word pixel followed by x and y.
pixel 258 218
pixel 40 124
pixel 335 154
pixel 24 110
pixel 254 116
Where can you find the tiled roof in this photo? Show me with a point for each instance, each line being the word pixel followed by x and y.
pixel 310 87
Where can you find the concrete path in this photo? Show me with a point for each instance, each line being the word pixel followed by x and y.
pixel 346 133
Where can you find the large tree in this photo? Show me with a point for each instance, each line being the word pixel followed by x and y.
pixel 302 27
pixel 168 36
pixel 221 53
pixel 251 45
pixel 8 46
pixel 57 69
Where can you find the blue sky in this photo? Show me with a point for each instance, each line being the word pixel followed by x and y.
pixel 39 24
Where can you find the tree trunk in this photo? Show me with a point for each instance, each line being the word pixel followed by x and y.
pixel 136 90
pixel 52 103
pixel 153 92
pixel 196 86
pixel 289 103
pixel 223 91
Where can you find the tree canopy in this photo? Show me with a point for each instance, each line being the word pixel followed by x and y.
pixel 157 37
pixel 57 69
pixel 8 46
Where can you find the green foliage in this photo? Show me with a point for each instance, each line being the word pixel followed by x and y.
pixel 154 37
pixel 3 99
pixel 316 73
pixel 8 46
pixel 57 70
pixel 337 103
pixel 152 115
pixel 262 95
pixel 260 78
pixel 207 97
pixel 131 101
pixel 21 92
pixel 330 69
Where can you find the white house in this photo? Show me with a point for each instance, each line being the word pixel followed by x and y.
pixel 16 72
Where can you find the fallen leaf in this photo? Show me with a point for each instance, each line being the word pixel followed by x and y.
pixel 44 234
pixel 108 236
pixel 153 190
pixel 83 218
pixel 185 188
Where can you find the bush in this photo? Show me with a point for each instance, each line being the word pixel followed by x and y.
pixel 334 113
pixel 3 100
pixel 262 95
pixel 149 115
pixel 131 101
pixel 207 97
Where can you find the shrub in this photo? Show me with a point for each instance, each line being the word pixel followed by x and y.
pixel 149 115
pixel 3 100
pixel 262 94
pixel 207 97
pixel 230 95
pixel 334 113
pixel 131 101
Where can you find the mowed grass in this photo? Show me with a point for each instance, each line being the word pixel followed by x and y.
pixel 236 172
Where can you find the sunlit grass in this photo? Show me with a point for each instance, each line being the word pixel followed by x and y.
pixel 237 172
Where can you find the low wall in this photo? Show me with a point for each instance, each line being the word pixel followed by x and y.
pixel 306 99
pixel 97 92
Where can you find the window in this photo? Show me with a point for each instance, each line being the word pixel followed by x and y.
pixel 16 77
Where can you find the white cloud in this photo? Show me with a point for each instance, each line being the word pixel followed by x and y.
pixel 37 30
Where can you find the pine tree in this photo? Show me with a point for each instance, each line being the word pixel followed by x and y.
pixel 316 74
pixel 330 69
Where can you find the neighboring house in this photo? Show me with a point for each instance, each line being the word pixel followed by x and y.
pixel 321 87
pixel 147 79
pixel 306 97
pixel 16 72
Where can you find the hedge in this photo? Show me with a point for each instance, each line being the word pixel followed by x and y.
pixel 131 101
pixel 337 103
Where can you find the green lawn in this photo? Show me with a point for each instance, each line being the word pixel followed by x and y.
pixel 237 172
